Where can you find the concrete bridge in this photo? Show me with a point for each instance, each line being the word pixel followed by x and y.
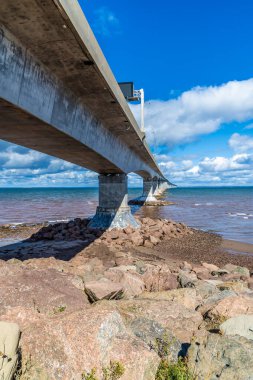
pixel 59 96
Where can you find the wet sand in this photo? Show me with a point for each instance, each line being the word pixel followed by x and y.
pixel 206 247
pixel 237 246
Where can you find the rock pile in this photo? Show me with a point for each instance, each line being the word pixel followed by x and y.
pixel 109 302
pixel 150 233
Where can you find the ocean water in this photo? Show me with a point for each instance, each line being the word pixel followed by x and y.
pixel 227 211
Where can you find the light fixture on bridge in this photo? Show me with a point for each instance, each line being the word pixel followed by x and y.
pixel 132 95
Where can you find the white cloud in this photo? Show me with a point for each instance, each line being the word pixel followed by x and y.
pixel 197 112
pixel 249 126
pixel 23 167
pixel 105 22
pixel 241 143
pixel 234 170
pixel 12 159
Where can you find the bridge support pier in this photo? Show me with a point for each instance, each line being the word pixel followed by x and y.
pixel 148 196
pixel 148 190
pixel 160 188
pixel 113 210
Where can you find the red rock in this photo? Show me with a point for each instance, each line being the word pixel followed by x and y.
pixel 170 314
pixel 137 239
pixel 41 290
pixel 210 267
pixel 123 258
pixel 128 230
pixel 114 234
pixel 154 240
pixel 149 221
pixel 71 343
pixel 103 289
pixel 131 282
pixel 185 266
pixel 232 306
pixel 148 244
pixel 159 278
pixel 230 277
pixel 250 283
pixel 202 273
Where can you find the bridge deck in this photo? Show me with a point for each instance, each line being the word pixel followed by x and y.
pixel 57 34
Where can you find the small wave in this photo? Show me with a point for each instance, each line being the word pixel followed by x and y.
pixel 242 215
pixel 204 204
pixel 58 221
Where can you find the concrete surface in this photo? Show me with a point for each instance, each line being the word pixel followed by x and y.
pixel 113 210
pixel 58 94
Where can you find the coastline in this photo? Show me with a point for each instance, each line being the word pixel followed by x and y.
pixel 202 246
pixel 237 246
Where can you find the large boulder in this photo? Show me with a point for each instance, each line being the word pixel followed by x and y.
pixel 171 315
pixel 46 291
pixel 184 296
pixel 241 325
pixel 130 281
pixel 243 271
pixel 211 301
pixel 232 306
pixel 62 346
pixel 103 289
pixel 223 357
pixel 157 338
pixel 187 279
pixel 158 278
pixel 9 338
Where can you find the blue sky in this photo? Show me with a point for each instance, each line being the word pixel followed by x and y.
pixel 194 60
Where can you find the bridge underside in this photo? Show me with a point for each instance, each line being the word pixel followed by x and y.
pixel 22 128
pixel 52 67
pixel 58 96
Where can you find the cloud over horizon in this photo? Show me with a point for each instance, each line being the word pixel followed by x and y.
pixel 197 112
pixel 200 111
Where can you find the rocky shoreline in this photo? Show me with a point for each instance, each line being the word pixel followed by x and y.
pixel 85 298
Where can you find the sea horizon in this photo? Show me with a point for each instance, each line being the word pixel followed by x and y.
pixel 226 210
pixel 129 187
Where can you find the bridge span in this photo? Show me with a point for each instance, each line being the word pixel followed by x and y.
pixel 59 96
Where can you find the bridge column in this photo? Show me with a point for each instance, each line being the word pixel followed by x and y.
pixel 148 190
pixel 113 210
pixel 149 186
pixel 161 186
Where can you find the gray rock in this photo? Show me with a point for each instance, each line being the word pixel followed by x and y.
pixel 243 271
pixel 187 280
pixel 241 325
pixel 9 339
pixel 209 302
pixel 222 357
pixel 157 337
pixel 206 288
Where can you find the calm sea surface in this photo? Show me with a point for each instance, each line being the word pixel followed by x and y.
pixel 228 211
